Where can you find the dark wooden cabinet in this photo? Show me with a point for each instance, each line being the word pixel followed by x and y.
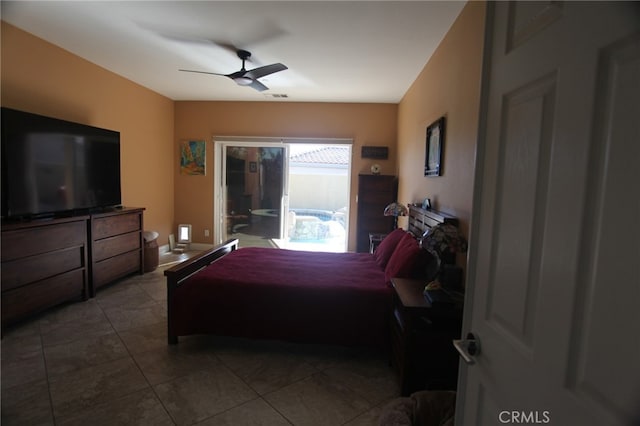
pixel 421 339
pixel 375 192
pixel 117 248
pixel 44 263
pixel 51 261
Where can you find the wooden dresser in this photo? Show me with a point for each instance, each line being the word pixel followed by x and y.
pixel 117 248
pixel 44 263
pixel 375 192
pixel 51 261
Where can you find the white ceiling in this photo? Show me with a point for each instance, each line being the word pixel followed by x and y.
pixel 336 51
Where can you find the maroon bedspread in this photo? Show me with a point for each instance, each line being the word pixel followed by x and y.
pixel 338 298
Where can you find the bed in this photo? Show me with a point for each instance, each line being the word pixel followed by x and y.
pixel 298 296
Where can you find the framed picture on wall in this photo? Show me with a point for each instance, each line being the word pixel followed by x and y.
pixel 193 155
pixel 434 146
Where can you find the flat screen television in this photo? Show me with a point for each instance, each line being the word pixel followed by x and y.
pixel 52 167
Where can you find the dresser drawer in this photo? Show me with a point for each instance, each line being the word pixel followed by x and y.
pixel 116 267
pixel 23 271
pixel 42 239
pixel 109 226
pixel 113 246
pixel 24 301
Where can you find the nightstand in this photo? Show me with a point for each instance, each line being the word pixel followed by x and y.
pixel 374 241
pixel 421 339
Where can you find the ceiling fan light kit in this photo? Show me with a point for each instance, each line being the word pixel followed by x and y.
pixel 248 78
pixel 243 81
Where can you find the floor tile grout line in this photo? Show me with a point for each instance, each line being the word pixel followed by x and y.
pixel 129 356
pixel 46 375
pixel 262 395
pixel 133 359
pixel 152 387
pixel 277 411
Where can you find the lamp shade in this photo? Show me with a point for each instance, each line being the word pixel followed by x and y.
pixel 396 209
pixel 444 238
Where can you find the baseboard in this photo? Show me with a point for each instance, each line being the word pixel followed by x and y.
pixel 165 248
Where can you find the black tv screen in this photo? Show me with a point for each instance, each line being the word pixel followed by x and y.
pixel 52 166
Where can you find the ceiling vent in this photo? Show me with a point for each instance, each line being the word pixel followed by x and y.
pixel 276 95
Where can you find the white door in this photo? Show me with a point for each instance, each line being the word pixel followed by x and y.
pixel 554 268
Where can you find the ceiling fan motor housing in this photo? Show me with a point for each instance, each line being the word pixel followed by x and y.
pixel 243 54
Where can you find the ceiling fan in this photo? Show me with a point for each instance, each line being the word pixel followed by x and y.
pixel 250 77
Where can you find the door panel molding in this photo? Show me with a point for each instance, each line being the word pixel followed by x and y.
pixel 611 248
pixel 527 19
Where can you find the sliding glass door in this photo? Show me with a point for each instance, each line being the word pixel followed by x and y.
pixel 283 193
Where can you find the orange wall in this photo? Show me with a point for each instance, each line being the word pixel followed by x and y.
pixel 41 78
pixel 367 124
pixel 449 85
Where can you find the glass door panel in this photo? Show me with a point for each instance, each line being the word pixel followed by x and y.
pixel 254 192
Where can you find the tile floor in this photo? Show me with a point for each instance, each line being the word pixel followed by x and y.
pixel 106 362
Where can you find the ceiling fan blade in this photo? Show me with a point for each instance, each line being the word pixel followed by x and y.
pixel 228 46
pixel 258 86
pixel 205 72
pixel 266 70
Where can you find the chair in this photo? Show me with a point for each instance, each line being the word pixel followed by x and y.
pixel 234 217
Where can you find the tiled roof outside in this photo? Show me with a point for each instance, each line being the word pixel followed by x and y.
pixel 325 155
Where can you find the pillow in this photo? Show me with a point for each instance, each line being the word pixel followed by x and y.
pixel 387 246
pixel 403 259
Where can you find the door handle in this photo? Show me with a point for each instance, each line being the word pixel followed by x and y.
pixel 468 348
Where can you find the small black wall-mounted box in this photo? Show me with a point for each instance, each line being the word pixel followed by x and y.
pixel 376 152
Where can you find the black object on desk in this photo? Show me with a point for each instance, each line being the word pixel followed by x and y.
pixel 439 297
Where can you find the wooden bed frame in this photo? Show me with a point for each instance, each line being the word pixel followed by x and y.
pixel 177 274
pixel 419 221
pixel 422 219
